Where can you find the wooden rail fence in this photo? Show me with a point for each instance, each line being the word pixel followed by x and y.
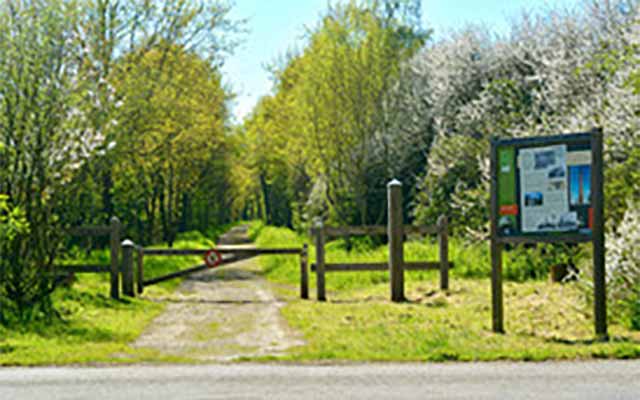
pixel 130 271
pixel 113 231
pixel 396 232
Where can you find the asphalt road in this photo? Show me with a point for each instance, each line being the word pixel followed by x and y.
pixel 589 380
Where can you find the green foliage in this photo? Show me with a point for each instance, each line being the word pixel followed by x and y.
pixel 634 308
pixel 621 185
pixel 310 146
pixel 107 108
pixel 191 236
pixel 255 229
pixel 178 169
pixel 13 222
pixel 44 140
pixel 13 227
pixel 457 190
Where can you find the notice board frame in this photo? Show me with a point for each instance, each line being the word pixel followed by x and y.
pixel 596 237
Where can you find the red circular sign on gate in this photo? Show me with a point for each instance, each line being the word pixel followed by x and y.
pixel 212 258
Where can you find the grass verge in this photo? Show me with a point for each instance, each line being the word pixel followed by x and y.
pixel 93 328
pixel 544 321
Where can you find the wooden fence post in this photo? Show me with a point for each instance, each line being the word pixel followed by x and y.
pixel 127 268
pixel 395 229
pixel 318 231
pixel 115 253
pixel 304 272
pixel 140 269
pixel 443 247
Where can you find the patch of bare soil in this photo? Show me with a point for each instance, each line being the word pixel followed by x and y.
pixel 221 315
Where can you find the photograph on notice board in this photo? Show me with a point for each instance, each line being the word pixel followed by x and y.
pixel 580 185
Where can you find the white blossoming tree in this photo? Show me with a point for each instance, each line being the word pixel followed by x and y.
pixel 45 139
pixel 556 71
pixel 623 265
pixel 553 73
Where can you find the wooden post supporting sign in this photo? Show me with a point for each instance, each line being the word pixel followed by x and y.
pixel 599 281
pixel 497 320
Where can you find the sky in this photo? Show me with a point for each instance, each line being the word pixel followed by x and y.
pixel 275 26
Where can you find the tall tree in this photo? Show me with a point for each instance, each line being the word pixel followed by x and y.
pixel 171 142
pixel 45 140
pixel 328 107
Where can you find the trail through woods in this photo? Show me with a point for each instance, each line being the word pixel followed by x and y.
pixel 222 315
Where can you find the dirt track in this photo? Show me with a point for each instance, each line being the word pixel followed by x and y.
pixel 222 315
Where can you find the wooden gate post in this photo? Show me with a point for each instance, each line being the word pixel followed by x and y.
pixel 127 268
pixel 115 253
pixel 304 272
pixel 140 269
pixel 396 238
pixel 443 247
pixel 318 231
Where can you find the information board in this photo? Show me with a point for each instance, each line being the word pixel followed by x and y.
pixel 550 190
pixel 544 189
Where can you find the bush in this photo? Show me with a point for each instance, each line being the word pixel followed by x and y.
pixel 25 287
pixel 634 308
pixel 255 228
pixel 525 263
pixel 623 267
pixel 192 236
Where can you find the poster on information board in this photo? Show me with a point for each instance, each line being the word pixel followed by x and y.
pixel 544 186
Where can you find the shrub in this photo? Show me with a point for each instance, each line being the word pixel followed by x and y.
pixel 24 289
pixel 623 267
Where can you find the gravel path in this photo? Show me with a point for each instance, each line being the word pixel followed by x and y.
pixel 222 315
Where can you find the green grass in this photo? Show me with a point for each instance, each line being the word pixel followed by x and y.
pixel 94 328
pixel 358 323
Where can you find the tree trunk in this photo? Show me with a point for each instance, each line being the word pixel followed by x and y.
pixel 185 215
pixel 163 215
pixel 107 185
pixel 265 194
